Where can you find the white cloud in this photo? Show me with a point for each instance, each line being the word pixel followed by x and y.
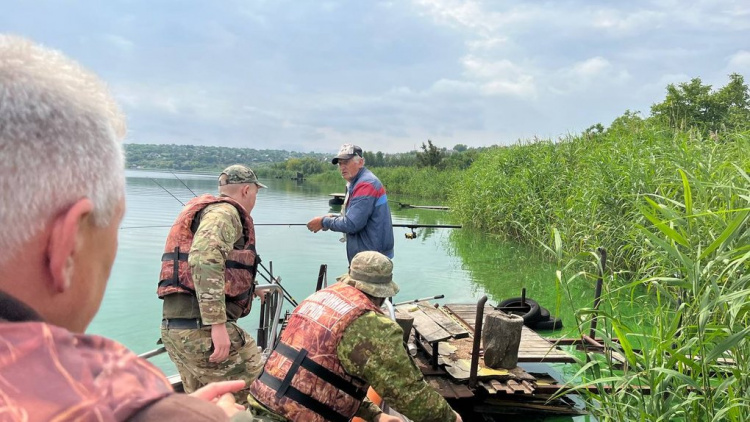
pixel 739 62
pixel 592 67
pixel 119 42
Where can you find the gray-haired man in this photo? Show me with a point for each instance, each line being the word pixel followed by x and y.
pixel 365 218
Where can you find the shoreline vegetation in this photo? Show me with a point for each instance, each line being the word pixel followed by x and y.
pixel 667 195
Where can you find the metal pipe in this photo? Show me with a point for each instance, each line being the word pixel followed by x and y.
pixel 321 276
pixel 391 309
pixel 152 353
pixel 274 307
pixel 261 339
pixel 477 342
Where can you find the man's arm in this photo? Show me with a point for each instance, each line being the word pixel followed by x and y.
pixel 183 408
pixel 359 209
pixel 372 349
pixel 219 229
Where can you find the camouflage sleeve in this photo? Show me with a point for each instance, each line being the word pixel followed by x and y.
pixel 372 349
pixel 368 410
pixel 219 229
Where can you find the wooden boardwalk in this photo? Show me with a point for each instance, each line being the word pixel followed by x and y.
pixel 533 348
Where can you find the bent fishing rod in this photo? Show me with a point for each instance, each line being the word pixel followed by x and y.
pixel 404 225
pixel 407 225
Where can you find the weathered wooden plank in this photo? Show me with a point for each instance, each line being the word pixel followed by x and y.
pixel 487 386
pixel 427 327
pixel 533 348
pixel 448 324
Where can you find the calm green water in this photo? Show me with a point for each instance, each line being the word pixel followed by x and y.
pixel 461 264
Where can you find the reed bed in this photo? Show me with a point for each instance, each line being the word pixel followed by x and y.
pixel 673 210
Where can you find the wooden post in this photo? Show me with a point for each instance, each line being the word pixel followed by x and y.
pixel 406 322
pixel 501 339
pixel 474 368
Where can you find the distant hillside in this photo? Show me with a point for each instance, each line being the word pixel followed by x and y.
pixel 197 158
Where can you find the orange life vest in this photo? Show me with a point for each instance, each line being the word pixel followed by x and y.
pixel 240 266
pixel 321 390
pixel 49 373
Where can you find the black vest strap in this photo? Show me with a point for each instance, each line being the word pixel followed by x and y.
pixel 292 393
pixel 320 371
pixel 170 256
pixel 237 265
pixel 290 373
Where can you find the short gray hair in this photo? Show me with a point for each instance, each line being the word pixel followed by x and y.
pixel 60 133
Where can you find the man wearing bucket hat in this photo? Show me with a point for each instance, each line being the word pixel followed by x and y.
pixel 207 282
pixel 337 343
pixel 365 216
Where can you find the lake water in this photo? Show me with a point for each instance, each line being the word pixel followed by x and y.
pixel 461 264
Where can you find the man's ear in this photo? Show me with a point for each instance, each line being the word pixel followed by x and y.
pixel 65 241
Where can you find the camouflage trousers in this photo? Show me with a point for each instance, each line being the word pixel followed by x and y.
pixel 190 349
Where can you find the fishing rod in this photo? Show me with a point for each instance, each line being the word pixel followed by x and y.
pixel 167 191
pixel 407 225
pixel 183 184
pixel 419 300
pixel 410 226
pixel 277 281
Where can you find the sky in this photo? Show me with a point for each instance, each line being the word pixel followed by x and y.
pixel 386 75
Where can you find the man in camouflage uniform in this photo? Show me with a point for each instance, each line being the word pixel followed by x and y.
pixel 359 344
pixel 199 328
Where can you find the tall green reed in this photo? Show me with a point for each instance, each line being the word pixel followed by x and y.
pixel 688 346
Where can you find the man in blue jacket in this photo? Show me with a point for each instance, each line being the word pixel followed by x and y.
pixel 365 216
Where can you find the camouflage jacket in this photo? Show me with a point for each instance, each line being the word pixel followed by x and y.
pixel 372 349
pixel 48 373
pixel 219 232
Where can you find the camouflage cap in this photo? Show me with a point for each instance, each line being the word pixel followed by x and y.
pixel 238 173
pixel 346 152
pixel 372 273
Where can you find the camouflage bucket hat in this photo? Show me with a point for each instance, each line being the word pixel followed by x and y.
pixel 237 174
pixel 372 273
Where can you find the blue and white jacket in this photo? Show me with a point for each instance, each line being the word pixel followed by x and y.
pixel 367 217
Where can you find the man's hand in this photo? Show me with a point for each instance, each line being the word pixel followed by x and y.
pixel 220 393
pixel 387 418
pixel 458 417
pixel 315 225
pixel 220 339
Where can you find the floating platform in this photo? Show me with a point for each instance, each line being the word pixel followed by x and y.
pixel 444 338
pixel 424 207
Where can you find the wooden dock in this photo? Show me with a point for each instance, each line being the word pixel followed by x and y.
pixel 533 348
pixel 445 336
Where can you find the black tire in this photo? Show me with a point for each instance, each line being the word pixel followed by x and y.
pixel 530 310
pixel 551 324
pixel 543 314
